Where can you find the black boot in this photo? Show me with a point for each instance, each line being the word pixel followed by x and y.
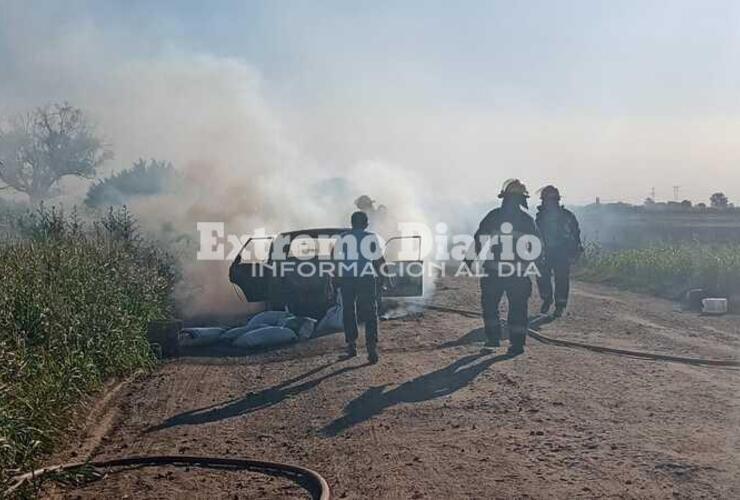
pixel 372 354
pixel 492 342
pixel 517 338
pixel 351 350
pixel 493 336
pixel 546 305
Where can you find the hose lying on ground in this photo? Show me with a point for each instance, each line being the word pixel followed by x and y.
pixel 309 479
pixel 603 349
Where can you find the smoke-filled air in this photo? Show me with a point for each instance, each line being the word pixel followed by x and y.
pixel 382 249
pixel 209 116
pixel 256 148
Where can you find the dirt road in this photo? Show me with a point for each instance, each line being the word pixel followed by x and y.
pixel 438 418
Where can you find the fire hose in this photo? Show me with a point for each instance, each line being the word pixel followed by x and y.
pixel 603 349
pixel 309 479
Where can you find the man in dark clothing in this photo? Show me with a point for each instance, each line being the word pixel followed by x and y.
pixel 500 230
pixel 562 240
pixel 359 262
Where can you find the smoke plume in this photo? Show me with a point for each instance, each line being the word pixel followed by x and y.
pixel 208 116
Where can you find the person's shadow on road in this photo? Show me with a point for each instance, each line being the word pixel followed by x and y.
pixel 479 335
pixel 473 336
pixel 253 401
pixel 432 385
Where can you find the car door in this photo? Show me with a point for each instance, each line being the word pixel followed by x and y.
pixel 252 276
pixel 404 275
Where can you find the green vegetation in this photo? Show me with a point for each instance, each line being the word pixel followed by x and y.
pixel 141 179
pixel 667 269
pixel 75 300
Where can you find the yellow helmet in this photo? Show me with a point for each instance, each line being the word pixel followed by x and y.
pixel 513 187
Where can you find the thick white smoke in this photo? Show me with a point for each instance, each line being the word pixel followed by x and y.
pixel 208 116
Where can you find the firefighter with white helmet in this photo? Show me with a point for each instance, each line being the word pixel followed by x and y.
pixel 508 220
pixel 365 203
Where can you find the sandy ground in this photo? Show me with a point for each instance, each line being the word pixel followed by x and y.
pixel 439 418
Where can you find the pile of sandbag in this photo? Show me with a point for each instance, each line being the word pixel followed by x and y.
pixel 270 328
pixel 267 329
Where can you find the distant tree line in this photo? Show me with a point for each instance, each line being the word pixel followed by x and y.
pixel 717 201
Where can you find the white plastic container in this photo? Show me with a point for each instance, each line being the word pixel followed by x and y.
pixel 714 306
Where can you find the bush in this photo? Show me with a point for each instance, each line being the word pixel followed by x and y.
pixel 141 179
pixel 667 269
pixel 74 305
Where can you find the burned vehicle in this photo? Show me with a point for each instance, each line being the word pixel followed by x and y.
pixel 295 271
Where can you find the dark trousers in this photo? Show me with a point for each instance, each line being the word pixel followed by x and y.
pixel 556 266
pixel 517 291
pixel 360 298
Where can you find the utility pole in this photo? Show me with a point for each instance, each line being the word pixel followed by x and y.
pixel 675 192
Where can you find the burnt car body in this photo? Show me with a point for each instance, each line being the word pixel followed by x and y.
pixel 280 279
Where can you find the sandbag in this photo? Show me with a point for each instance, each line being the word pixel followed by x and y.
pixel 303 327
pixel 265 337
pixel 199 337
pixel 234 333
pixel 269 318
pixel 332 321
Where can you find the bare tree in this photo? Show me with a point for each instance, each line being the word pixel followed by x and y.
pixel 41 147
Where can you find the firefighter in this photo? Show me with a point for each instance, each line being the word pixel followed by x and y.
pixel 562 245
pixel 359 264
pixel 365 203
pixel 509 220
pixel 377 214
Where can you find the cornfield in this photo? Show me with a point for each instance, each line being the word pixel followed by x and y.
pixel 74 305
pixel 667 269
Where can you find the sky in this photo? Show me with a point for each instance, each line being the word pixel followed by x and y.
pixel 602 98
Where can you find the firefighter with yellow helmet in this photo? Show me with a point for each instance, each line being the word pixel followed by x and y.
pixel 497 244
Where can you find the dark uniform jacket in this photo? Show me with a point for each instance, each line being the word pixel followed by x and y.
pixel 522 224
pixel 559 230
